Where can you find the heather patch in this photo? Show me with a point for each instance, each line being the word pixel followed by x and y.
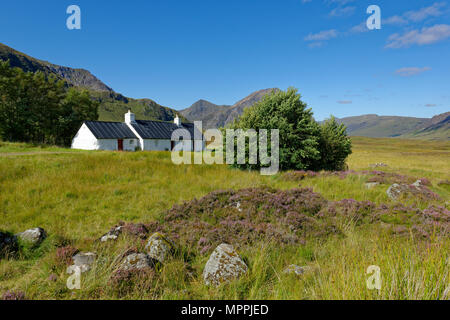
pixel 285 217
pixel 381 177
pixel 64 255
pixel 244 217
pixel 13 295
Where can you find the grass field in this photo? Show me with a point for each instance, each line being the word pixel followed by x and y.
pixel 78 196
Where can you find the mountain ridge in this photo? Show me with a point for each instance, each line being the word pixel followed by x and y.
pixel 216 116
pixel 113 105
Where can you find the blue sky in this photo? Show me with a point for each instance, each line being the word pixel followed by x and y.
pixel 176 52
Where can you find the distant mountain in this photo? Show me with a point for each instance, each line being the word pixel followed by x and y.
pixel 372 125
pixel 216 116
pixel 438 128
pixel 76 77
pixel 113 105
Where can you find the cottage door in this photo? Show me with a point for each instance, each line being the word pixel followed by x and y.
pixel 120 144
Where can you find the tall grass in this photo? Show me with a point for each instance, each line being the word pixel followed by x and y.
pixel 78 196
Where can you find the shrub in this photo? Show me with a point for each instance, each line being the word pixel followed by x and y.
pixel 303 143
pixel 298 130
pixel 334 146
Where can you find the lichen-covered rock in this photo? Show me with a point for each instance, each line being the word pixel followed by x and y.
pixel 112 234
pixel 84 260
pixel 34 236
pixel 223 266
pixel 294 269
pixel 159 247
pixel 417 190
pixel 137 261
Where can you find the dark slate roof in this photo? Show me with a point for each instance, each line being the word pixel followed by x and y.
pixel 110 130
pixel 161 130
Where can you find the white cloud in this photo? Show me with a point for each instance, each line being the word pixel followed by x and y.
pixel 342 11
pixel 345 101
pixel 411 71
pixel 430 105
pixel 396 20
pixel 422 14
pixel 362 27
pixel 427 35
pixel 322 35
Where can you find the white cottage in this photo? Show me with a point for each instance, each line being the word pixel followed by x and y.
pixel 133 135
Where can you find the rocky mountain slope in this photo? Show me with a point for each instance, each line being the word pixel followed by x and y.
pixel 112 104
pixel 216 116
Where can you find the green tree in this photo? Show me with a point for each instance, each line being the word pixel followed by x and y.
pixel 298 131
pixel 334 145
pixel 77 107
pixel 40 109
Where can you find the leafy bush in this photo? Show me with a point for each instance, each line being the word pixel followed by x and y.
pixel 303 143
pixel 298 130
pixel 334 145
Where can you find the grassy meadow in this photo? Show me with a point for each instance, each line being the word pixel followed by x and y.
pixel 78 196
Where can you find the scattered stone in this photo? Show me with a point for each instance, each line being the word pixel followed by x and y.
pixel 34 236
pixel 137 261
pixel 370 185
pixel 113 234
pixel 223 266
pixel 379 164
pixel 84 260
pixel 159 247
pixel 294 269
pixel 394 191
pixel 417 189
pixel 8 243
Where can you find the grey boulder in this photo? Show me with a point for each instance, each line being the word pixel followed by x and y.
pixel 84 260
pixel 159 247
pixel 34 236
pixel 224 265
pixel 137 261
pixel 112 234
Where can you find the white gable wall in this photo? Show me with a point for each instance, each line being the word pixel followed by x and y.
pixel 84 139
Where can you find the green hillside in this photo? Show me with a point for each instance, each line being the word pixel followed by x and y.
pixel 374 126
pixel 113 105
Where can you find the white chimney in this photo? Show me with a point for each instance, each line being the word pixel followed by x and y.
pixel 130 117
pixel 177 121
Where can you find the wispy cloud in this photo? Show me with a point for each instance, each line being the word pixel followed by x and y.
pixel 394 20
pixel 322 35
pixel 426 12
pixel 411 71
pixel 427 35
pixel 430 105
pixel 435 10
pixel 342 11
pixel 345 101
